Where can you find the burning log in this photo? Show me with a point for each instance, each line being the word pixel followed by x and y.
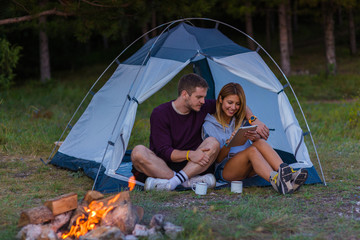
pixel 93 195
pixel 95 218
pixel 118 199
pixel 80 210
pixel 60 220
pixel 63 203
pixel 124 216
pixel 35 215
pixel 104 212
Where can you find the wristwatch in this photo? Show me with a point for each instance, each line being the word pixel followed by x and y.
pixel 252 119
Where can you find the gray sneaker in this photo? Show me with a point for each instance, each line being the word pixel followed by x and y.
pixel 281 180
pixel 273 180
pixel 209 179
pixel 298 178
pixel 158 184
pixel 284 178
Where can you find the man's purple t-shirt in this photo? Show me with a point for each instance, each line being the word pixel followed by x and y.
pixel 170 130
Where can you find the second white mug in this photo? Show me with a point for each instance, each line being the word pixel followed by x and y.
pixel 200 188
pixel 236 186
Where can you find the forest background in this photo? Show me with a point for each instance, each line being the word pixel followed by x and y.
pixel 43 35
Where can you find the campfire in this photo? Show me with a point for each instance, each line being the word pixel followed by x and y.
pixel 94 217
pixel 94 213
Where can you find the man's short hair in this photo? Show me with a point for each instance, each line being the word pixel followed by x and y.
pixel 191 81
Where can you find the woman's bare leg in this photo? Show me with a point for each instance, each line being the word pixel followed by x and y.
pixel 268 153
pixel 244 163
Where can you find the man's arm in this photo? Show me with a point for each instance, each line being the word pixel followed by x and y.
pixel 198 156
pixel 262 129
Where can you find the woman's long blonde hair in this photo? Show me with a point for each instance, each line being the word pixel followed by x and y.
pixel 231 89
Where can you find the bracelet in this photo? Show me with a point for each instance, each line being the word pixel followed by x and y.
pixel 187 155
pixel 252 119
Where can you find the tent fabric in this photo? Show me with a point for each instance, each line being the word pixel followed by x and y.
pixel 100 137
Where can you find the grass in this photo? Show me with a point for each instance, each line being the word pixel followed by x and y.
pixel 332 107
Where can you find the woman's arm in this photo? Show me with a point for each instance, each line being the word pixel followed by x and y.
pixel 224 151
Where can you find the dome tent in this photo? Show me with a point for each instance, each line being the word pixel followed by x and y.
pixel 98 141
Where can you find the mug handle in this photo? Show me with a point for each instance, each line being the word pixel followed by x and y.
pixel 193 187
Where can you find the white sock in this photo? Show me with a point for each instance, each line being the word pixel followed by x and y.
pixel 178 178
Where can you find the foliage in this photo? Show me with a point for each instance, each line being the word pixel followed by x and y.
pixel 9 57
pixel 238 9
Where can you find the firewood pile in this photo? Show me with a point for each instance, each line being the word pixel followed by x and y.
pixel 92 218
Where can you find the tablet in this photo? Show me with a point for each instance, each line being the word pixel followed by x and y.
pixel 239 138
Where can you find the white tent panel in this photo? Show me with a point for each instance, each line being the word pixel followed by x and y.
pixel 262 102
pixel 158 73
pixel 253 68
pixel 89 136
pixel 272 108
pixel 293 132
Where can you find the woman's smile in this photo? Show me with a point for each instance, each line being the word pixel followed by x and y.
pixel 230 105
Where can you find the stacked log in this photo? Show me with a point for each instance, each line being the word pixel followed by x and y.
pixel 60 215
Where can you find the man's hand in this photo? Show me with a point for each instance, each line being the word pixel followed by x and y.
pixel 199 157
pixel 262 129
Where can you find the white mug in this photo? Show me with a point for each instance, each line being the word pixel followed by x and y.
pixel 200 188
pixel 236 186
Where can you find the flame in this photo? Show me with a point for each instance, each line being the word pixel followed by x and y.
pixel 132 183
pixel 86 222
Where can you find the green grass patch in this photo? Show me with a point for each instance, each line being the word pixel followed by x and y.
pixel 332 108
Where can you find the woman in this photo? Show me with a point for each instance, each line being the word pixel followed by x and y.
pixel 256 156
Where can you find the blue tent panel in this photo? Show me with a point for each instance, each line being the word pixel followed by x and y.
pixel 108 184
pixel 104 183
pixel 184 41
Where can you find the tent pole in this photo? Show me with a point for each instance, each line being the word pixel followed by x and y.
pixel 102 160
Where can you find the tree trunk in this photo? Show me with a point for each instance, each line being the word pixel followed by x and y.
pixel 284 42
pixel 105 42
pixel 352 33
pixel 268 28
pixel 249 26
pixel 45 72
pixel 289 27
pixel 295 15
pixel 144 30
pixel 327 11
pixel 153 23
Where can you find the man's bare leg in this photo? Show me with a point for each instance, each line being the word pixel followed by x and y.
pixel 145 161
pixel 192 169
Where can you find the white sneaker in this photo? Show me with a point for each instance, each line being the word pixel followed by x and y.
pixel 209 179
pixel 158 184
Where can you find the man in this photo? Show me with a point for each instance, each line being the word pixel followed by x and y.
pixel 177 154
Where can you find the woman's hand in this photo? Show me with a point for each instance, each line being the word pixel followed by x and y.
pixel 252 135
pixel 232 135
